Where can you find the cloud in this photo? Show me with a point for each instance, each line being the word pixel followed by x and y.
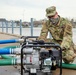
pixel 17 9
pixel 25 3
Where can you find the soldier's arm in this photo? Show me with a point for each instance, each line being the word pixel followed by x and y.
pixel 44 31
pixel 67 37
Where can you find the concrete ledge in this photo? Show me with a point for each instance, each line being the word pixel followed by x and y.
pixel 16 35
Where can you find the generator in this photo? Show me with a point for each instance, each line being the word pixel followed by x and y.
pixel 38 59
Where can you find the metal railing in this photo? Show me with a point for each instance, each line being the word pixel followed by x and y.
pixel 6 25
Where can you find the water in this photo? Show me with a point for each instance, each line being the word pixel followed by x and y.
pixel 25 31
pixel 36 32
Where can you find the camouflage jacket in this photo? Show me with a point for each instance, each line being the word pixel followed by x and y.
pixel 62 32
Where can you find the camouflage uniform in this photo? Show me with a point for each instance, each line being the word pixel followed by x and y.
pixel 61 34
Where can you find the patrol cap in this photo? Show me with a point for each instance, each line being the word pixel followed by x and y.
pixel 50 11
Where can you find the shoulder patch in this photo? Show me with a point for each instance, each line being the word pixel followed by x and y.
pixel 69 28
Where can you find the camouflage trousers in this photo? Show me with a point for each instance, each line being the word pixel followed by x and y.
pixel 68 55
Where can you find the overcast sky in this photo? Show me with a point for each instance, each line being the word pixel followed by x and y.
pixel 26 9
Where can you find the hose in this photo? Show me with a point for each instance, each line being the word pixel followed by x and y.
pixel 5 62
pixel 69 66
pixel 7 57
pixel 11 41
pixel 8 60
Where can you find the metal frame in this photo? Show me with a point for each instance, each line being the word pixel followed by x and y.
pixel 46 45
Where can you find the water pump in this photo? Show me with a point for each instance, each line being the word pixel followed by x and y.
pixel 38 59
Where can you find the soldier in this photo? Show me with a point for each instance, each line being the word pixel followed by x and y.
pixel 61 32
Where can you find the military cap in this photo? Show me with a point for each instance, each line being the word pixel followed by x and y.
pixel 50 11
